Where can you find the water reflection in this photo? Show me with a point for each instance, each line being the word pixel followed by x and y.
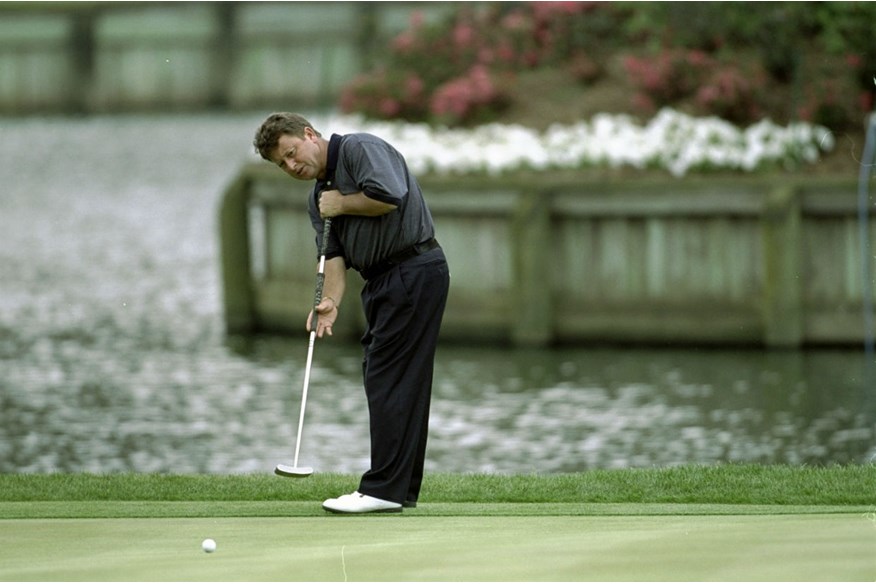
pixel 112 356
pixel 576 409
pixel 222 410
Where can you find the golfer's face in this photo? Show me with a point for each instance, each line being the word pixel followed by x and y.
pixel 299 157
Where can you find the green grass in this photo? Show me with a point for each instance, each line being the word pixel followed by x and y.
pixel 698 488
pixel 726 484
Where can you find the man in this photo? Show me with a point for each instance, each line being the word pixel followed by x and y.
pixel 382 228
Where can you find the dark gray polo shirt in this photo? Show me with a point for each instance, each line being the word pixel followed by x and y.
pixel 366 163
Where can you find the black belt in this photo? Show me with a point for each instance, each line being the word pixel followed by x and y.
pixel 397 258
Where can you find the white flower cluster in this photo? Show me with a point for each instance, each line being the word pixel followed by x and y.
pixel 672 141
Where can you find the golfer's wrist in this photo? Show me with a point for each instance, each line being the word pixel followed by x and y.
pixel 334 302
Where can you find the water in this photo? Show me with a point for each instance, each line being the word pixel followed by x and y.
pixel 113 356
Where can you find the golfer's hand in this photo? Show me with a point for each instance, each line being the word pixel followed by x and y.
pixel 330 204
pixel 327 312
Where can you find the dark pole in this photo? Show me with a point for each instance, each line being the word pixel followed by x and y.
pixel 82 50
pixel 222 55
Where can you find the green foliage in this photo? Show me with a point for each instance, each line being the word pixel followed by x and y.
pixel 848 29
pixel 784 60
pixel 774 29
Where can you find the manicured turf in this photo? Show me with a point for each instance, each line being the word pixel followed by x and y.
pixel 692 523
pixel 826 547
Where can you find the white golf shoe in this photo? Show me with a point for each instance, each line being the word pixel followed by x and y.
pixel 356 502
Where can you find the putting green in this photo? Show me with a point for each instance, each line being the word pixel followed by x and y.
pixel 824 547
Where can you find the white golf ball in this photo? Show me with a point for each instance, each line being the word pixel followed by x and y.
pixel 208 545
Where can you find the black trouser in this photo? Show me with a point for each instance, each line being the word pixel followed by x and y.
pixel 403 308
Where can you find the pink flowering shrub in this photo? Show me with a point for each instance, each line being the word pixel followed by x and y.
pixel 466 98
pixel 731 94
pixel 667 77
pixel 458 72
pixel 736 61
pixel 698 82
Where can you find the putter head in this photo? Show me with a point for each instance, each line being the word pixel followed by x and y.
pixel 295 472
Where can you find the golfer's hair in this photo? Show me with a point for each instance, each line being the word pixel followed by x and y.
pixel 276 125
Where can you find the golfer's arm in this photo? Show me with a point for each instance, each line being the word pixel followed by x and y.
pixel 361 204
pixel 335 280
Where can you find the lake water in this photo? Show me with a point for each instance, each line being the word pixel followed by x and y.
pixel 113 355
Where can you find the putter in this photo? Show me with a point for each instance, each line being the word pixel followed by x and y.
pixel 295 471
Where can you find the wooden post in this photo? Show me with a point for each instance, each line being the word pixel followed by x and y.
pixel 222 55
pixel 235 257
pixel 82 55
pixel 532 318
pixel 782 263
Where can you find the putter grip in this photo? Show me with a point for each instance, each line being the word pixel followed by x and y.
pixel 320 277
pixel 326 227
pixel 317 297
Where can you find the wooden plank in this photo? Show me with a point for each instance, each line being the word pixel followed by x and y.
pixel 478 253
pixel 656 204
